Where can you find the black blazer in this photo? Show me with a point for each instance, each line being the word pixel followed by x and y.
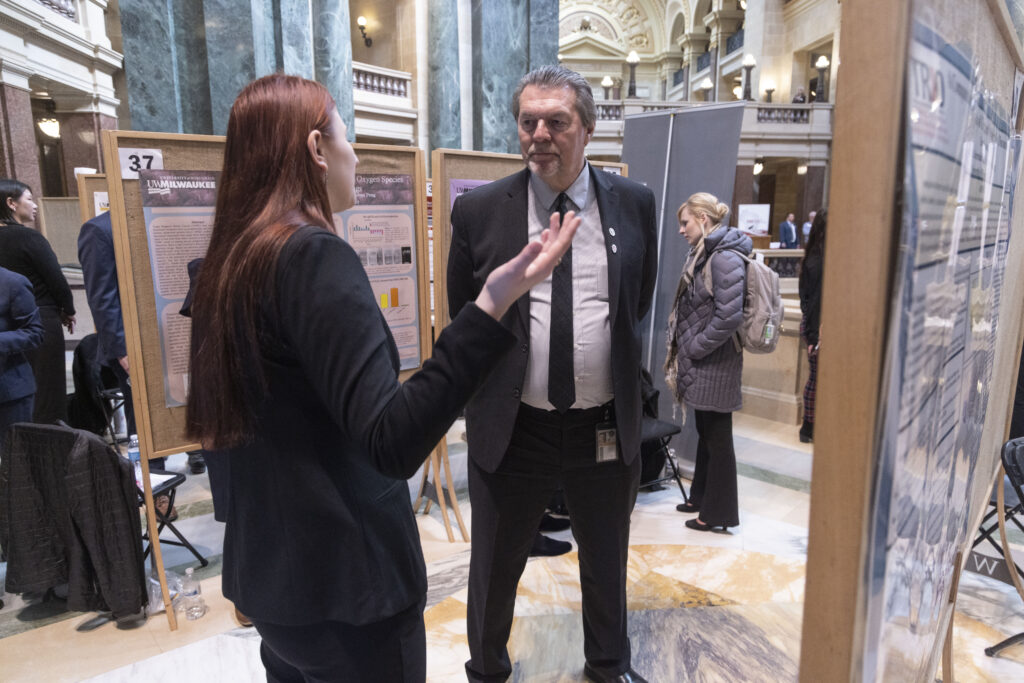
pixel 21 330
pixel 319 523
pixel 489 226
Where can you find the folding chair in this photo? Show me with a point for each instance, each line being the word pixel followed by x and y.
pixel 1013 463
pixel 654 437
pixel 169 487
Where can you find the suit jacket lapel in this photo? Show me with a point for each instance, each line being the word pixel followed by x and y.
pixel 516 233
pixel 608 205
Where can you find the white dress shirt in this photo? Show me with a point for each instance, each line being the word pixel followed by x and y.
pixel 591 325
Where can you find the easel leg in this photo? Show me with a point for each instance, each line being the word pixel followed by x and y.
pixel 154 543
pixel 435 462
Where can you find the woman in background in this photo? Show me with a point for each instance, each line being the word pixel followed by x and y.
pixel 705 361
pixel 810 322
pixel 295 380
pixel 26 252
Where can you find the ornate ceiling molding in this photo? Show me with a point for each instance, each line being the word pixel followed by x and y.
pixel 634 24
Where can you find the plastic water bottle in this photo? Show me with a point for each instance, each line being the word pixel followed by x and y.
pixel 135 459
pixel 192 597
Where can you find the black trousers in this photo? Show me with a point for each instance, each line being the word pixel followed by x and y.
pixel 714 477
pixel 393 650
pixel 549 451
pixel 50 371
pixel 18 410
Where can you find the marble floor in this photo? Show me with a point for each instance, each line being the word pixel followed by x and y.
pixel 703 606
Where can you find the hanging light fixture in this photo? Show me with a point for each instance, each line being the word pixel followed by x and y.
pixel 758 167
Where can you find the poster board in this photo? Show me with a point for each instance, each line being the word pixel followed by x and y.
pixel 93 197
pixel 880 589
pixel 161 428
pixel 399 271
pixel 457 171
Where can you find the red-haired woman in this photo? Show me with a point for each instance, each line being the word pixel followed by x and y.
pixel 295 380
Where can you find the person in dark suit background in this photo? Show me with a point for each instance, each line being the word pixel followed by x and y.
pixel 296 383
pixel 21 331
pixel 99 270
pixel 572 383
pixel 26 252
pixel 787 233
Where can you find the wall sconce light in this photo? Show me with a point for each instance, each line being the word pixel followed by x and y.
pixel 607 84
pixel 758 167
pixel 769 88
pixel 50 127
pixel 801 169
pixel 748 65
pixel 743 5
pixel 49 124
pixel 361 22
pixel 821 65
pixel 737 92
pixel 632 59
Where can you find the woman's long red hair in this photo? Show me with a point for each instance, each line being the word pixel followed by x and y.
pixel 269 187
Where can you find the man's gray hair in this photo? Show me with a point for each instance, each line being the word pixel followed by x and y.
pixel 560 77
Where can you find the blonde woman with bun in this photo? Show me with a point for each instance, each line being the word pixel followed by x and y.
pixel 705 362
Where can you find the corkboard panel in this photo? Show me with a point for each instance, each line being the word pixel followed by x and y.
pixel 89 185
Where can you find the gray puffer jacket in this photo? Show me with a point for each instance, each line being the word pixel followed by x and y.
pixel 709 366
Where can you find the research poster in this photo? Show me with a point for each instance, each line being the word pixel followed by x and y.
pixel 178 209
pixel 460 187
pixel 381 228
pixel 961 169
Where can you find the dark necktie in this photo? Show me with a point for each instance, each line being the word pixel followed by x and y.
pixel 561 385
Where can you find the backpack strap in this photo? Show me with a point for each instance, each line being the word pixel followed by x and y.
pixel 737 343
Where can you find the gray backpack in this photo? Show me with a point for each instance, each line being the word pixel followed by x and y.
pixel 762 306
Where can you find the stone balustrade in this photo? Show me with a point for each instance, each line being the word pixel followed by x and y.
pixel 784 113
pixel 381 81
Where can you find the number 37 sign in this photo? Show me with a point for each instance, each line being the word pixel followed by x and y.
pixel 134 160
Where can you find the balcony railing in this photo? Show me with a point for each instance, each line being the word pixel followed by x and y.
pixel 734 42
pixel 783 113
pixel 609 112
pixel 63 7
pixel 703 61
pixel 381 81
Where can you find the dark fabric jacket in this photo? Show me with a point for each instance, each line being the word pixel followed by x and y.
pixel 489 226
pixel 21 330
pixel 69 513
pixel 710 368
pixel 26 251
pixel 810 294
pixel 319 522
pixel 99 269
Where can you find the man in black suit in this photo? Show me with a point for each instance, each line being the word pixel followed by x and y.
pixel 563 409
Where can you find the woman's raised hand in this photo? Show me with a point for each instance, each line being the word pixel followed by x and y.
pixel 533 264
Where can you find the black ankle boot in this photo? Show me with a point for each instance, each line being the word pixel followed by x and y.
pixel 807 432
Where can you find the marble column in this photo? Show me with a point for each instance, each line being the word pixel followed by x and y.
pixel 149 61
pixel 81 143
pixel 19 158
pixel 295 43
pixel 543 33
pixel 501 33
pixel 193 74
pixel 444 103
pixel 332 55
pixel 814 190
pixel 742 191
pixel 240 47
